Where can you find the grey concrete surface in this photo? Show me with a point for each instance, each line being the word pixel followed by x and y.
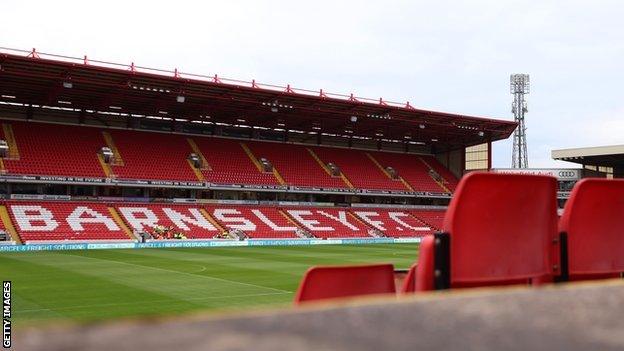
pixel 574 317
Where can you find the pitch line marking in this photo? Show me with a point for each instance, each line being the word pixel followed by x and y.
pixel 191 274
pixel 203 268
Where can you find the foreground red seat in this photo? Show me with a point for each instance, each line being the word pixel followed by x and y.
pixel 409 283
pixel 330 282
pixel 592 230
pixel 499 230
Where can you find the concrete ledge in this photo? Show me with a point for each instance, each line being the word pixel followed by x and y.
pixel 570 317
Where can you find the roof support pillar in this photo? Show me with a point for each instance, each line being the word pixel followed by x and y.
pixel 29 111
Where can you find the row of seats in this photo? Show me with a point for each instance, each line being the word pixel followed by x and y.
pixel 297 165
pixel 230 164
pixel 448 178
pixel 432 218
pixel 56 150
pixel 359 169
pixel 154 156
pixel 92 221
pixel 63 150
pixel 501 230
pixel 412 169
pixel 37 221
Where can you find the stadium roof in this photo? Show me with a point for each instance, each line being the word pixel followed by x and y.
pixel 605 156
pixel 30 77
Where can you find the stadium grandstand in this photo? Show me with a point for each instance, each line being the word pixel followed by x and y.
pixel 93 150
pixel 97 155
pixel 149 203
pixel 597 161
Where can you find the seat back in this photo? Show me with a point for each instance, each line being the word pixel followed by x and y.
pixel 594 223
pixel 501 227
pixel 330 282
pixel 409 283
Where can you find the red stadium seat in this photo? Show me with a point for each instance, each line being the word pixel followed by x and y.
pixel 53 221
pixel 409 283
pixel 55 150
pixel 500 230
pixel 445 173
pixel 296 165
pixel 156 156
pixel 594 229
pixel 255 221
pixel 411 168
pixel 230 164
pixel 358 168
pixel 63 150
pixel 434 218
pixel 392 222
pixel 320 283
pixel 186 219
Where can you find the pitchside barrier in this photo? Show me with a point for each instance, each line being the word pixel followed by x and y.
pixel 203 243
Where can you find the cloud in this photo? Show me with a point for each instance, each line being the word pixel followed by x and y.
pixel 453 56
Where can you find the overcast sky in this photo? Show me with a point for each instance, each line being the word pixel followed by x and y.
pixel 453 56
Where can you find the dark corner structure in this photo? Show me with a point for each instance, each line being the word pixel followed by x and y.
pixel 595 160
pixel 91 89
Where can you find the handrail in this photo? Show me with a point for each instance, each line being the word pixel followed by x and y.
pixel 207 78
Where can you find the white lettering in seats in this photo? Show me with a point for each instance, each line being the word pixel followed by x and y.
pixel 27 220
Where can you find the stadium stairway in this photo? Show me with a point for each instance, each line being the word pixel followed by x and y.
pixel 320 162
pixel 432 218
pixel 139 149
pixel 325 222
pixel 198 172
pixel 443 182
pixel 74 151
pixel 382 169
pixel 294 222
pixel 205 165
pixel 8 224
pixel 117 159
pixel 295 164
pixel 451 179
pixel 229 164
pixel 358 168
pixel 420 220
pixel 213 221
pixel 182 218
pixel 63 220
pixel 9 137
pixel 410 168
pixel 77 220
pixel 256 162
pixel 346 180
pixel 374 233
pixel 392 222
pixel 255 221
pixel 120 222
pixel 105 167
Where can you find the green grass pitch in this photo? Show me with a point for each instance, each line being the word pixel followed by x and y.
pixel 83 286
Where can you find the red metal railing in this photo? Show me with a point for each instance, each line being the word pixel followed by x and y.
pixel 208 78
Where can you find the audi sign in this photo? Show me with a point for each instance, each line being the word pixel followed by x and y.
pixel 561 173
